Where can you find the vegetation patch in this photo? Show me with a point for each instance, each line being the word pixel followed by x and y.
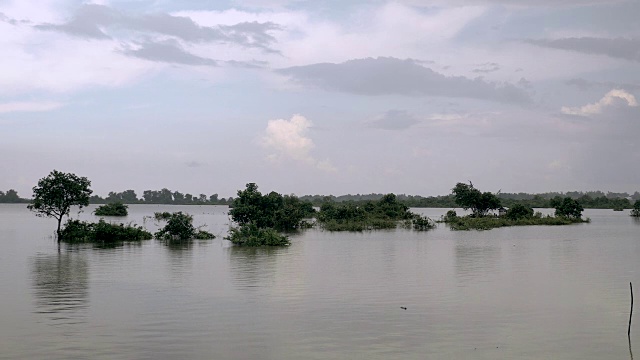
pixel 568 211
pixel 635 212
pixel 385 213
pixel 252 235
pixel 180 227
pixel 76 231
pixel 112 209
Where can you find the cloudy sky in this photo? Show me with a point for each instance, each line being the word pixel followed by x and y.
pixel 322 97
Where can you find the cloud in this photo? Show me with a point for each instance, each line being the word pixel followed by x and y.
pixel 168 51
pixel 584 84
pixel 394 120
pixel 29 106
pixel 613 98
pixel 391 76
pixel 511 3
pixel 487 68
pixel 287 139
pixel 98 21
pixel 621 48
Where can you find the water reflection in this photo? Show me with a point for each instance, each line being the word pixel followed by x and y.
pixel 61 286
pixel 253 267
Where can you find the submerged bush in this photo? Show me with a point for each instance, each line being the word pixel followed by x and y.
pixel 179 227
pixel 76 231
pixel 490 222
pixel 519 211
pixel 252 235
pixel 422 223
pixel 112 209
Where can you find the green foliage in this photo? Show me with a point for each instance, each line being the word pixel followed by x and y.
pixel 250 234
pixel 490 222
pixel 422 223
pixel 635 212
pixel 76 231
pixel 468 197
pixel 370 215
pixel 55 194
pixel 519 211
pixel 269 211
pixel 568 208
pixel 179 227
pixel 112 209
pixel 162 216
pixel 11 197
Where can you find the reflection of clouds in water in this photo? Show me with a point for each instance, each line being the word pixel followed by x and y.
pixel 474 261
pixel 61 286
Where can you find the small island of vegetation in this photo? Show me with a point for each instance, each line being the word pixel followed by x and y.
pixel 567 211
pixel 179 227
pixel 112 209
pixel 635 212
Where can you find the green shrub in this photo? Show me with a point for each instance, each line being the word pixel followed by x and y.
pixel 112 209
pixel 519 211
pixel 422 223
pixel 252 235
pixel 76 231
pixel 179 227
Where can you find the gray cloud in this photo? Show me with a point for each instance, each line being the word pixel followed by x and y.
pixel 390 76
pixel 584 84
pixel 487 68
pixel 169 52
pixel 94 21
pixel 394 120
pixel 622 48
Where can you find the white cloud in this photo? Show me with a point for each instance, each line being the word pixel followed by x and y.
pixel 29 106
pixel 287 139
pixel 612 98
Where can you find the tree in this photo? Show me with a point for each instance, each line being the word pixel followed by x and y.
pixel 635 212
pixel 468 197
pixel 57 193
pixel 569 208
pixel 519 211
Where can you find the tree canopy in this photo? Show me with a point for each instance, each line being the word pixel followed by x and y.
pixel 567 207
pixel 468 197
pixel 57 193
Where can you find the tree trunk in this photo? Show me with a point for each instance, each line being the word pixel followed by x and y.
pixel 58 231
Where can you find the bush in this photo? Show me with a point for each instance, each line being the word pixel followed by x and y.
pixel 112 209
pixel 76 231
pixel 422 223
pixel 519 211
pixel 252 235
pixel 569 208
pixel 180 227
pixel 635 212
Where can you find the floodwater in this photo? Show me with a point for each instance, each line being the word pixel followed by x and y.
pixel 512 293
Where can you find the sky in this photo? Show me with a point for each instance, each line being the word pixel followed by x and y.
pixel 321 97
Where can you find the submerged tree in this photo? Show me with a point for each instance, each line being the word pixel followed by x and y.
pixel 635 212
pixel 568 207
pixel 57 193
pixel 468 197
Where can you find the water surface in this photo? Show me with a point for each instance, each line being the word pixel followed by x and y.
pixel 523 292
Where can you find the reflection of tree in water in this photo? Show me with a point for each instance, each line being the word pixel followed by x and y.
pixel 254 267
pixel 180 256
pixel 61 286
pixel 476 260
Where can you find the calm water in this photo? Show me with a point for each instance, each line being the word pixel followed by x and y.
pixel 512 293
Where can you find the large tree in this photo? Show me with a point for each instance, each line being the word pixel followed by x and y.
pixel 57 193
pixel 468 197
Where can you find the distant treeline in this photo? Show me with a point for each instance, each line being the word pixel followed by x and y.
pixel 11 196
pixel 589 199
